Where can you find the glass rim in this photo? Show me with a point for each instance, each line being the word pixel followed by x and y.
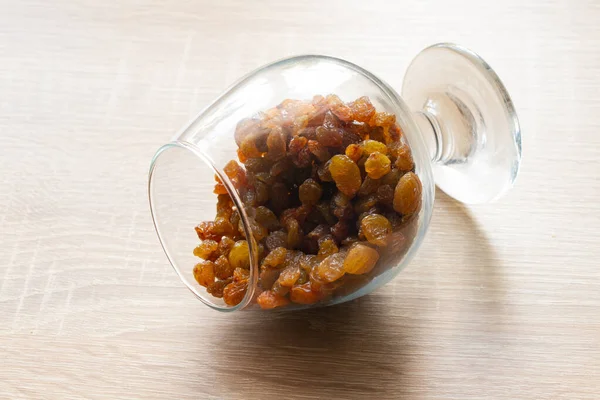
pixel 233 194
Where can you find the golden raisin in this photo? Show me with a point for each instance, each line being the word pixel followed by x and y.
pixel 239 256
pixel 204 273
pixel 360 259
pixel 377 165
pixel 362 109
pixel 216 288
pixel 371 146
pixel 404 161
pixel 222 268
pixel 407 195
pixel 354 152
pixel 346 174
pixel 331 268
pixel 327 247
pixel 234 293
pixel 207 250
pixel 310 192
pixel 289 275
pixel 275 258
pixel 268 300
pixel 304 294
pixel 376 229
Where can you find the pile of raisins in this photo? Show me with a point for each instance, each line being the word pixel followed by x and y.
pixel 327 187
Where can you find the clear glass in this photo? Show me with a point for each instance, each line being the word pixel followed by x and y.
pixel 181 178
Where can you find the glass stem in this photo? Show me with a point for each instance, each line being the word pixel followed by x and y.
pixel 432 134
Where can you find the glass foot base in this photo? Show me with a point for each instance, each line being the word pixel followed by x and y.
pixel 476 143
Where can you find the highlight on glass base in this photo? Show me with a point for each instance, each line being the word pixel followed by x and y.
pixel 310 182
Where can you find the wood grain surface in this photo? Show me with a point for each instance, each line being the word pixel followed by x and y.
pixel 501 302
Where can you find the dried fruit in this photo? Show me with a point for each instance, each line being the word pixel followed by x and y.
pixel 234 293
pixel 204 273
pixel 360 259
pixel 239 256
pixel 372 146
pixel 310 192
pixel 275 258
pixel 222 268
pixel 345 174
pixel 354 152
pixel 304 294
pixel 376 229
pixel 207 250
pixel 340 172
pixel 407 195
pixel 377 165
pixel 331 268
pixel 327 247
pixel 268 300
pixel 289 275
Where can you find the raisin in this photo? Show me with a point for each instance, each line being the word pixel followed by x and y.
pixel 318 150
pixel 217 287
pixel 376 229
pixel 267 218
pixel 240 275
pixel 276 239
pixel 368 186
pixel 362 109
pixel 319 232
pixel 323 172
pixel 327 247
pixel 329 137
pixel 304 294
pixel 310 192
pixel 234 293
pixel 407 195
pixel 377 165
pixel 275 258
pixel 331 268
pixel 222 268
pixel 268 276
pixel 225 245
pixel 239 256
pixel 404 161
pixel 341 207
pixel 338 108
pixel 236 173
pixel 385 194
pixel 297 143
pixel 220 189
pixel 205 231
pixel 245 128
pixel 268 300
pixel 391 178
pixel 276 144
pixel 204 273
pixel 372 146
pixel 340 230
pixel 360 259
pixel 257 165
pixel 289 276
pixel 346 174
pixel 354 152
pixel 294 236
pixel 207 250
pixel 365 203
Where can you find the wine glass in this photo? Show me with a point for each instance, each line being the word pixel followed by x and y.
pixel 454 112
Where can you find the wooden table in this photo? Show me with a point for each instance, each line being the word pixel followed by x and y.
pixel 502 301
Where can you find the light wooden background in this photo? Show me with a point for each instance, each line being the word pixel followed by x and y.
pixel 502 301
